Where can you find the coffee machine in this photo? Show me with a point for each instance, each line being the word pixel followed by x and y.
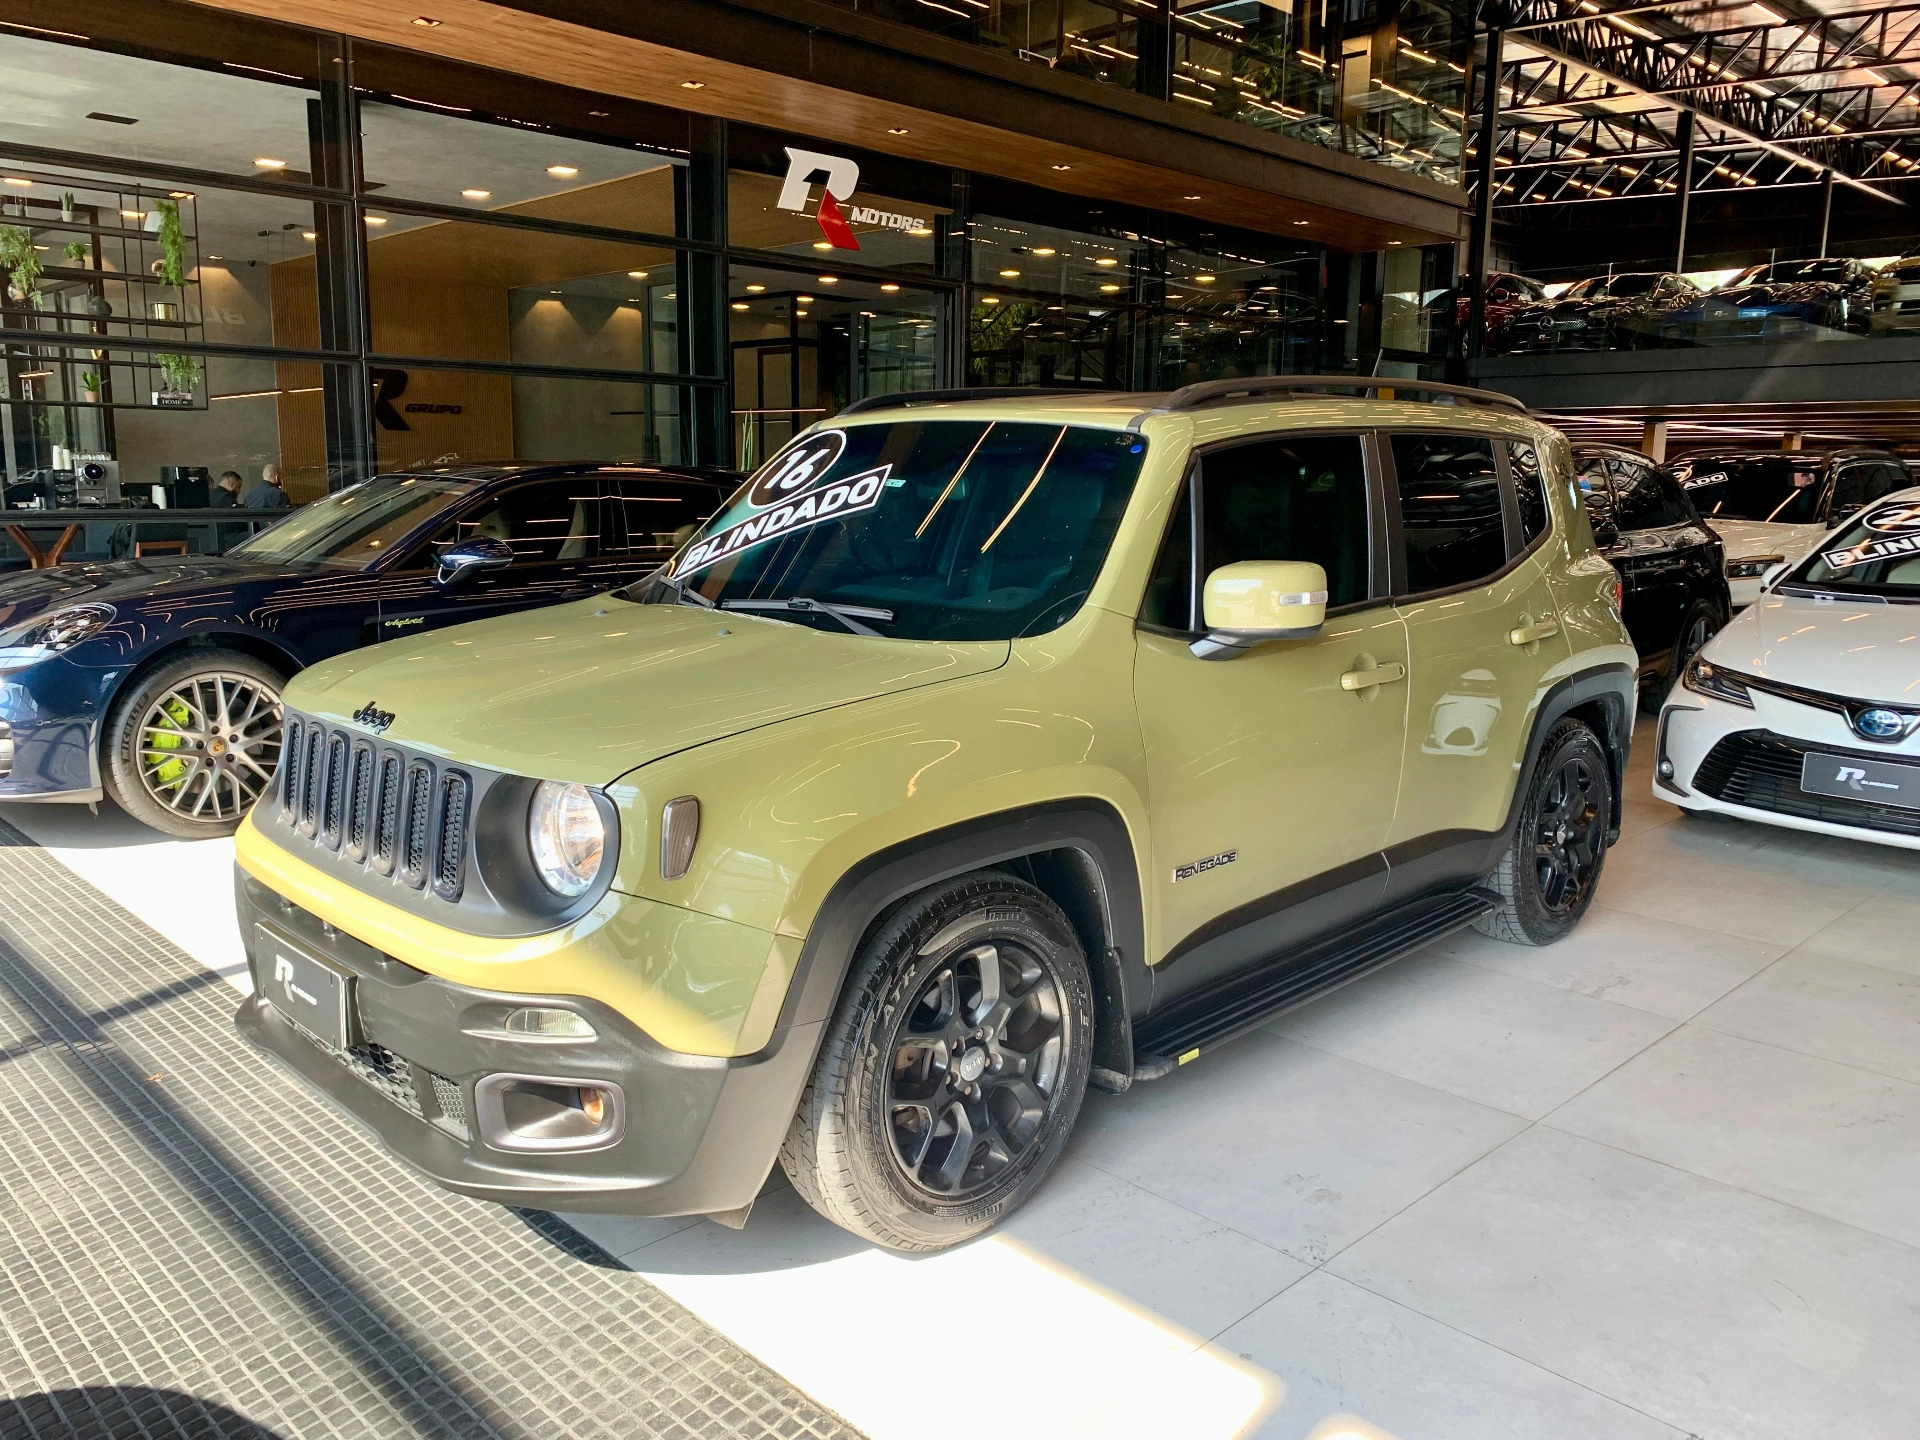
pixel 183 487
pixel 96 480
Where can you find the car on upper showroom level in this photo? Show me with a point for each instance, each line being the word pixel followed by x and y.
pixel 981 748
pixel 1507 295
pixel 1827 299
pixel 157 681
pixel 1673 583
pixel 1804 712
pixel 1770 507
pixel 1602 312
pixel 1896 296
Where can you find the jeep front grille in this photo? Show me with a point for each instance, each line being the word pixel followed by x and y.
pixel 375 805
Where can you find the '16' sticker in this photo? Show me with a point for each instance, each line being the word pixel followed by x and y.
pixel 804 463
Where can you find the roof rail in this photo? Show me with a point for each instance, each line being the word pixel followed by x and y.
pixel 1287 387
pixel 934 397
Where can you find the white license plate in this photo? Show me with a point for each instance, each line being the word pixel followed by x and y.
pixel 304 988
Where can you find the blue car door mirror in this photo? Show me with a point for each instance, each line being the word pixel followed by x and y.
pixel 469 557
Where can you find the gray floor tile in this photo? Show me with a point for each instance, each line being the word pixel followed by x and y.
pixel 621 1235
pixel 1723 1313
pixel 1653 965
pixel 1864 1015
pixel 1296 1147
pixel 1517 1045
pixel 1824 1136
pixel 1883 930
pixel 1344 1354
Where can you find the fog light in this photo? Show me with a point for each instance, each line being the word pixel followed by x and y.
pixel 540 1023
pixel 1666 768
pixel 545 1113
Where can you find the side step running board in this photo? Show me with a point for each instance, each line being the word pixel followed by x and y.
pixel 1236 1005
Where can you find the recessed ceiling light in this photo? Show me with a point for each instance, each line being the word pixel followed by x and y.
pixel 898 130
pixel 376 219
pixel 1055 309
pixel 636 274
pixel 1303 222
pixel 179 194
pixel 801 313
pixel 1193 197
pixel 693 84
pixel 23 184
pixel 553 292
pixel 1106 260
pixel 921 230
pixel 1109 289
pixel 890 287
pixel 308 235
pixel 1043 250
pixel 756 289
pixel 266 162
pixel 739 305
pixel 823 244
pixel 598 114
pixel 828 279
pixel 1009 274
pixel 477 194
pixel 990 300
pixel 564 172
pixel 1063 167
pixel 424 23
pixel 804 299
pixel 216 257
pixel 133 214
pixel 869 315
pixel 1393 242
pixel 1205 279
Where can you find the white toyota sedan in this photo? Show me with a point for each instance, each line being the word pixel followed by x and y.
pixel 1805 710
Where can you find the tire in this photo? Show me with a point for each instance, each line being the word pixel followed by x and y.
pixel 878 1145
pixel 1701 624
pixel 166 767
pixel 1546 880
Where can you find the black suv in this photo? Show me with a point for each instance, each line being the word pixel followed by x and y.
pixel 1673 584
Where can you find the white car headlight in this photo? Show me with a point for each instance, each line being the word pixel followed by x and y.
pixel 566 836
pixel 54 632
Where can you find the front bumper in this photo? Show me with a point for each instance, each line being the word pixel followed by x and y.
pixel 1728 760
pixel 701 1132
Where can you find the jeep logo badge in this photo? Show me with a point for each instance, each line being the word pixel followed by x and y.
pixel 373 717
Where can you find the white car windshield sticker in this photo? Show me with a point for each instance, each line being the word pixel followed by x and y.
pixel 1869 551
pixel 825 502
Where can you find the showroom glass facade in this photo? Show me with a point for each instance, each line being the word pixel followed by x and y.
pixel 276 246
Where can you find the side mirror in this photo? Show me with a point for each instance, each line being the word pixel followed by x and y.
pixel 1253 601
pixel 481 552
pixel 1606 534
pixel 1776 572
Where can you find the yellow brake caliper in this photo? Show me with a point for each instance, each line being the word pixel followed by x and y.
pixel 166 773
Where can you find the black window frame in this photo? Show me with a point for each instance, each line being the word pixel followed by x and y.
pixel 1192 489
pixel 418 560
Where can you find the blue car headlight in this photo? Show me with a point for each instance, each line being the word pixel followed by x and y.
pixel 52 633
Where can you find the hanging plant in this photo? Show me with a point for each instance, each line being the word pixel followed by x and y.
pixel 181 372
pixel 21 262
pixel 173 243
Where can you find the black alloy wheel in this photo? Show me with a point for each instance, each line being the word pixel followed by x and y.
pixel 1546 879
pixel 976 1068
pixel 1569 833
pixel 951 1073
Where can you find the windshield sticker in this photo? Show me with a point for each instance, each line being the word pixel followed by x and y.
pixel 804 463
pixel 1868 551
pixel 1894 520
pixel 827 502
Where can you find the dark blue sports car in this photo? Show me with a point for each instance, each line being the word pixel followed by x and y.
pixel 1786 300
pixel 157 681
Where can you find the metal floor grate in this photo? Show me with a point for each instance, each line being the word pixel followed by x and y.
pixel 190 1246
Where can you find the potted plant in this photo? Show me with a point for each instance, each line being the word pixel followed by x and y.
pixel 76 253
pixel 67 204
pixel 22 264
pixel 90 387
pixel 179 373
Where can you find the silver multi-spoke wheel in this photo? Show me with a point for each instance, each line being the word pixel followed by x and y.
pixel 206 747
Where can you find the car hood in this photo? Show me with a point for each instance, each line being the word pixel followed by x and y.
pixel 1863 651
pixel 587 691
pixel 28 593
pixel 1758 537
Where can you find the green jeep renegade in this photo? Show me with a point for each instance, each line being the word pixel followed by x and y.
pixel 976 751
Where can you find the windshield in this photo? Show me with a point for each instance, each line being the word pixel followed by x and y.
pixel 1785 271
pixel 1785 491
pixel 936 529
pixel 352 528
pixel 1878 554
pixel 1613 286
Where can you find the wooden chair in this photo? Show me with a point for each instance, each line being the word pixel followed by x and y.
pixel 144 548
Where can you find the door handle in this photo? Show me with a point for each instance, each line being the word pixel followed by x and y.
pixel 1545 628
pixel 1386 674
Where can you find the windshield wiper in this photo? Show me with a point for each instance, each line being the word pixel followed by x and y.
pixel 848 615
pixel 681 594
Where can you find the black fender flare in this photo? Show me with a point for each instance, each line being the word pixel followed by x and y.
pixel 1090 827
pixel 1615 687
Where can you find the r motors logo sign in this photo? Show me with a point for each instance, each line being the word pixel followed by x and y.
pixel 841 177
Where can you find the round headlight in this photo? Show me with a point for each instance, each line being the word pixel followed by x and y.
pixel 566 836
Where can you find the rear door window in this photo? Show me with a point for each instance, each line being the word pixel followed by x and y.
pixel 1452 523
pixel 1529 489
pixel 1645 498
pixel 656 517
